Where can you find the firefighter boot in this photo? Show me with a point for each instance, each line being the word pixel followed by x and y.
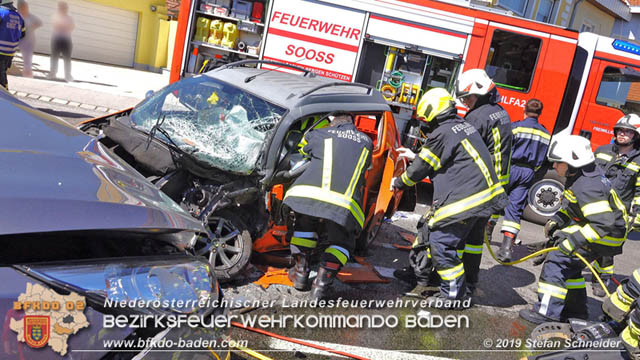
pixel 535 317
pixel 323 281
pixel 506 249
pixel 597 289
pixel 408 275
pixel 629 339
pixel 299 273
pixel 488 230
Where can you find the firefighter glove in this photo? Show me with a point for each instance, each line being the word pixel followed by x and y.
pixel 549 228
pixel 566 246
pixel 396 184
pixel 540 245
pixel 634 218
pixel 406 153
pixel 635 223
pixel 540 259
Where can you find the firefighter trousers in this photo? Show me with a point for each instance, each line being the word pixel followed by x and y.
pixel 305 239
pixel 445 244
pixel 561 283
pixel 520 180
pixel 604 267
pixel 472 253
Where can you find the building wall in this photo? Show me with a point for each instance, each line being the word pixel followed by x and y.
pixel 563 13
pixel 153 31
pixel 588 13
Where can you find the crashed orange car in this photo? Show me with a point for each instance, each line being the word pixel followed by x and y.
pixel 222 145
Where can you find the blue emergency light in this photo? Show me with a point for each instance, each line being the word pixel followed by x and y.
pixel 626 47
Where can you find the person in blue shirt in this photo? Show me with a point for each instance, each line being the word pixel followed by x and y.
pixel 12 29
pixel 529 150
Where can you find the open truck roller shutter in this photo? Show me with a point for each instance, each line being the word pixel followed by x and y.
pixel 437 40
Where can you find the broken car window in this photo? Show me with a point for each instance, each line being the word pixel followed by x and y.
pixel 217 123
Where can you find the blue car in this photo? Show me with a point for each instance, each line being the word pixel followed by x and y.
pixel 90 249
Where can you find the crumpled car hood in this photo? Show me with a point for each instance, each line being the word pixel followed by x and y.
pixel 55 178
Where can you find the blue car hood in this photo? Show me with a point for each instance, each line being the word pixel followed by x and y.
pixel 55 178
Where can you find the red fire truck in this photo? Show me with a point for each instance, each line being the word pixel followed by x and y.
pixel 585 81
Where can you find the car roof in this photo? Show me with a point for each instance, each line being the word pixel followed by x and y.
pixel 299 90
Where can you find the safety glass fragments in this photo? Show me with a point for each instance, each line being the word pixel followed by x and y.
pixel 216 123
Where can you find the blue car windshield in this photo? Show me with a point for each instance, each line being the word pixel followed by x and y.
pixel 217 123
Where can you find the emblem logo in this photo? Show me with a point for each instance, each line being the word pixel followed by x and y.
pixel 36 330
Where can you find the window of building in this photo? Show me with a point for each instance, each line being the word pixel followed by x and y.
pixel 518 6
pixel 587 26
pixel 620 89
pixel 545 9
pixel 512 59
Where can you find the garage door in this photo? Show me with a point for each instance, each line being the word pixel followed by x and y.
pixel 103 33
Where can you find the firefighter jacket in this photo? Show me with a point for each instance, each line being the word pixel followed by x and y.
pixel 592 217
pixel 530 143
pixel 11 30
pixel 458 163
pixel 332 187
pixel 622 170
pixel 494 126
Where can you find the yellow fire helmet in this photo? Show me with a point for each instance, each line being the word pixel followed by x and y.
pixel 433 103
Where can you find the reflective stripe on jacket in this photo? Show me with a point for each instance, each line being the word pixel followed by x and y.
pixel 494 126
pixel 592 215
pixel 11 30
pixel 530 143
pixel 459 165
pixel 622 171
pixel 332 187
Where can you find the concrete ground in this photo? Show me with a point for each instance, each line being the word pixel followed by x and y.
pixel 96 87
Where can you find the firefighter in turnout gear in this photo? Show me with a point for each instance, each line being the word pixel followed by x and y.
pixel 466 190
pixel 530 145
pixel 478 92
pixel 331 189
pixel 621 164
pixel 591 222
pixel 621 325
pixel 623 306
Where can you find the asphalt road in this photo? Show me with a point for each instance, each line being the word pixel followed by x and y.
pixel 492 329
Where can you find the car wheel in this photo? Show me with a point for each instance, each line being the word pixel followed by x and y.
pixel 230 245
pixel 374 227
pixel 369 233
pixel 544 198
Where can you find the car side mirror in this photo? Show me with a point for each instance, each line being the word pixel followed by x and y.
pixel 148 94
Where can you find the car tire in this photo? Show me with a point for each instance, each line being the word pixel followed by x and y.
pixel 544 198
pixel 369 233
pixel 232 245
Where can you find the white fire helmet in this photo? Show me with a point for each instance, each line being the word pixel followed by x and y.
pixel 629 121
pixel 571 149
pixel 473 82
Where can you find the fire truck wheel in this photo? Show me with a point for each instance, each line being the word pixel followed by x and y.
pixel 230 245
pixel 544 198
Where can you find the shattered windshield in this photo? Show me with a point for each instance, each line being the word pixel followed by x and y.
pixel 217 123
